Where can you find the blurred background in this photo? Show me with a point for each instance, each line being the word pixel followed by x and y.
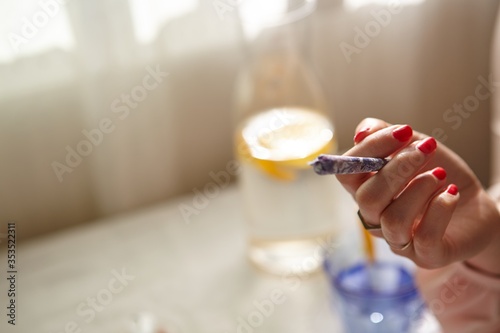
pixel 111 105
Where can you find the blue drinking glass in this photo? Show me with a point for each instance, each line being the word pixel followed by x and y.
pixel 379 297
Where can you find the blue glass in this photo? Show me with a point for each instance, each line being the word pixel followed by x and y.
pixel 377 298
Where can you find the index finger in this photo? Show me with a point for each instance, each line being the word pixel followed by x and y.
pixel 382 143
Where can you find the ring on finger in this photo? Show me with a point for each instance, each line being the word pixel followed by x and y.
pixel 366 225
pixel 400 247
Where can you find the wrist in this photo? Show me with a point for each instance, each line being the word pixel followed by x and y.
pixel 487 261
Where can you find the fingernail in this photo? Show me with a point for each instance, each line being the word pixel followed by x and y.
pixel 427 146
pixel 402 133
pixel 363 133
pixel 452 189
pixel 439 173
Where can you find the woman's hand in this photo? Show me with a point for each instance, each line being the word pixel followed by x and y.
pixel 426 196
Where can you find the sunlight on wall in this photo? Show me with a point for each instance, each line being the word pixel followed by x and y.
pixel 33 27
pixel 353 5
pixel 149 16
pixel 257 14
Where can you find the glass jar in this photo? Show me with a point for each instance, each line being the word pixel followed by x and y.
pixel 282 125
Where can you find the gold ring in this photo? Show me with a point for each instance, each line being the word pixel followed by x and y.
pixel 400 247
pixel 368 226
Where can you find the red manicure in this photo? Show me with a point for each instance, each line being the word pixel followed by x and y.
pixel 363 133
pixel 439 173
pixel 403 133
pixel 427 146
pixel 452 189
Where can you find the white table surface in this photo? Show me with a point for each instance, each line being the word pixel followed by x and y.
pixel 192 277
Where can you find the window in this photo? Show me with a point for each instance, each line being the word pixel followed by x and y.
pixel 356 4
pixel 149 16
pixel 30 27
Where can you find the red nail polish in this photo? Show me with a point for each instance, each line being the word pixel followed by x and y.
pixel 439 173
pixel 452 189
pixel 363 133
pixel 403 133
pixel 427 146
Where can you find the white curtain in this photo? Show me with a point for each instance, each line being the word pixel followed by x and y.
pixel 150 82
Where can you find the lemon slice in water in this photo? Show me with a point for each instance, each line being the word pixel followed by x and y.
pixel 280 141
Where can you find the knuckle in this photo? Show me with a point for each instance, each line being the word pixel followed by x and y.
pixel 393 236
pixel 431 256
pixel 393 217
pixel 369 201
pixel 362 197
pixel 425 243
pixel 394 227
